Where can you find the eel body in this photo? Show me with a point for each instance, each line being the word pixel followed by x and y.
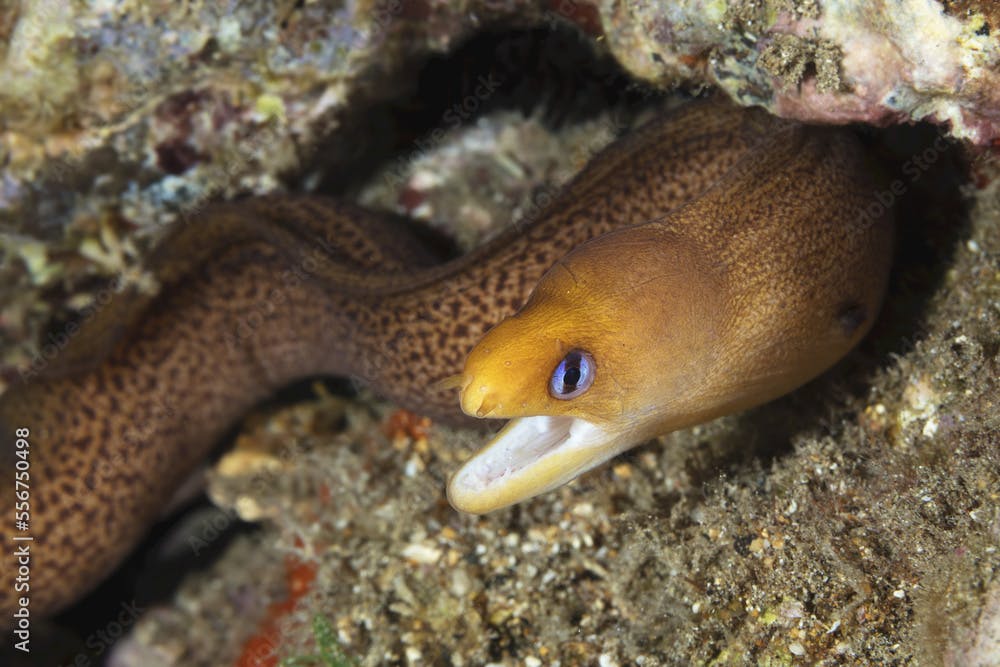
pixel 753 276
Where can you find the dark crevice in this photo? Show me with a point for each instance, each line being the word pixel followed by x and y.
pixel 556 74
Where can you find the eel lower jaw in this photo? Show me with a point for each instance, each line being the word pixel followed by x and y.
pixel 529 456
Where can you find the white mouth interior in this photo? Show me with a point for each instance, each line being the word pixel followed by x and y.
pixel 529 456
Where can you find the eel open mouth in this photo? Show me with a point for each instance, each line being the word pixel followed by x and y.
pixel 529 456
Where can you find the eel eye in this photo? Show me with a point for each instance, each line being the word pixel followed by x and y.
pixel 573 375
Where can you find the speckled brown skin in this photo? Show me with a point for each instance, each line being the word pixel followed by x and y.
pixel 264 292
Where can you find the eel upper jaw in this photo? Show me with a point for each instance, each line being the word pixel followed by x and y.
pixel 529 456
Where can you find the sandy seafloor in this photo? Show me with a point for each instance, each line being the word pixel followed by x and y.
pixel 856 521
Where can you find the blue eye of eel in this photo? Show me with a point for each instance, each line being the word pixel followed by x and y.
pixel 573 376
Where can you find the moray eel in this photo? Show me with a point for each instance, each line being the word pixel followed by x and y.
pixel 759 283
pixel 739 296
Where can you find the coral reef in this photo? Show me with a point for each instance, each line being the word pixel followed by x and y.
pixel 830 61
pixel 856 521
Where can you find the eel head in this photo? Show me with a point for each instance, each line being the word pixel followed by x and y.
pixel 611 349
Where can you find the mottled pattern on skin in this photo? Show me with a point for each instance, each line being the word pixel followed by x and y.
pixel 263 292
